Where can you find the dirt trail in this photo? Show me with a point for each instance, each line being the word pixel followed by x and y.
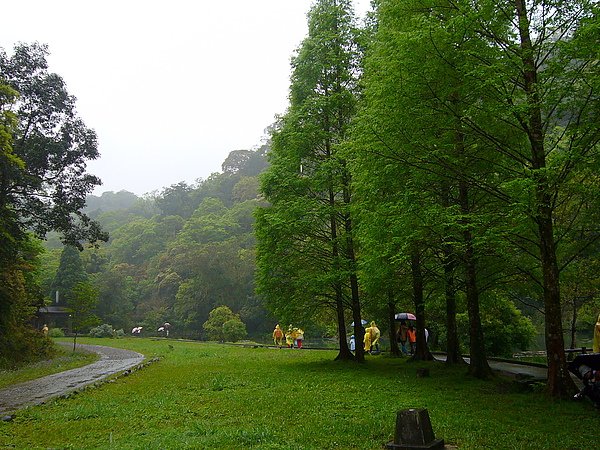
pixel 35 392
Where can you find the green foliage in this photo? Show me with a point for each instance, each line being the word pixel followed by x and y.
pixel 44 182
pixel 23 345
pixel 234 330
pixel 305 252
pixel 82 303
pixel 223 324
pixel 104 330
pixel 70 272
pixel 506 330
pixel 56 333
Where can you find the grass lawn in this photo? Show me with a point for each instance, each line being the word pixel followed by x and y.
pixel 202 395
pixel 65 359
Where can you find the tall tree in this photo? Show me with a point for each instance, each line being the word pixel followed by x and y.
pixel 46 190
pixel 82 302
pixel 43 182
pixel 308 183
pixel 70 272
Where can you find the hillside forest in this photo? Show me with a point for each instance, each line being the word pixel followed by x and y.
pixel 439 158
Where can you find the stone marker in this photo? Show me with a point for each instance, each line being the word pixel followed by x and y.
pixel 413 431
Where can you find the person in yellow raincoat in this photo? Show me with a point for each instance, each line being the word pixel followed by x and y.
pixel 289 337
pixel 278 335
pixel 367 340
pixel 596 345
pixel 375 335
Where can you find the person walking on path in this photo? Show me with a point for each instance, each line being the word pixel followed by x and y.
pixel 412 339
pixel 278 336
pixel 403 336
pixel 375 335
pixel 289 337
pixel 299 337
pixel 367 340
pixel 596 344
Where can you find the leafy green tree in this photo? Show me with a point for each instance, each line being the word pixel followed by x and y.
pixel 402 141
pixel 117 297
pixel 214 326
pixel 246 163
pixel 306 251
pixel 177 200
pixel 82 304
pixel 70 272
pixel 506 330
pixel 45 184
pixel 516 120
pixel 538 81
pixel 234 330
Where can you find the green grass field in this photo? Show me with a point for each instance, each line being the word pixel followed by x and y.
pixel 202 395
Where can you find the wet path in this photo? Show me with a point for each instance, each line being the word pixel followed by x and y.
pixel 35 392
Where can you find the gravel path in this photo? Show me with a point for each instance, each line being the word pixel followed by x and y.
pixel 35 392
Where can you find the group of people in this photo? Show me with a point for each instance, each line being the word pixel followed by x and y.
pixel 407 333
pixel 370 339
pixel 293 337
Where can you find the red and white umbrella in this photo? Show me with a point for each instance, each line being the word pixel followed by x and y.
pixel 405 316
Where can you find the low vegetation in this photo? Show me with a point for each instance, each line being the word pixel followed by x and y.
pixel 204 395
pixel 64 359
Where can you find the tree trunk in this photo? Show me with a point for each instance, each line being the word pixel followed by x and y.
pixel 573 322
pixel 453 355
pixel 344 354
pixel 394 349
pixel 560 383
pixel 422 352
pixel 478 365
pixel 359 353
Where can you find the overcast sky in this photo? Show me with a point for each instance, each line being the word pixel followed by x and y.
pixel 169 87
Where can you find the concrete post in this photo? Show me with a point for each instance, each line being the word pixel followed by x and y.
pixel 414 431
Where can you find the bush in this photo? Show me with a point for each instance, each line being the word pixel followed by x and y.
pixel 119 333
pixel 24 345
pixel 505 329
pixel 101 331
pixel 56 333
pixel 234 330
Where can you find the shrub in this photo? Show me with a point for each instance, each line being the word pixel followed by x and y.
pixel 119 333
pixel 505 329
pixel 234 330
pixel 56 332
pixel 104 330
pixel 25 345
pixel 214 325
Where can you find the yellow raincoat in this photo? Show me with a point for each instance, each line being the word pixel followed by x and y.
pixel 278 335
pixel 367 339
pixel 375 335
